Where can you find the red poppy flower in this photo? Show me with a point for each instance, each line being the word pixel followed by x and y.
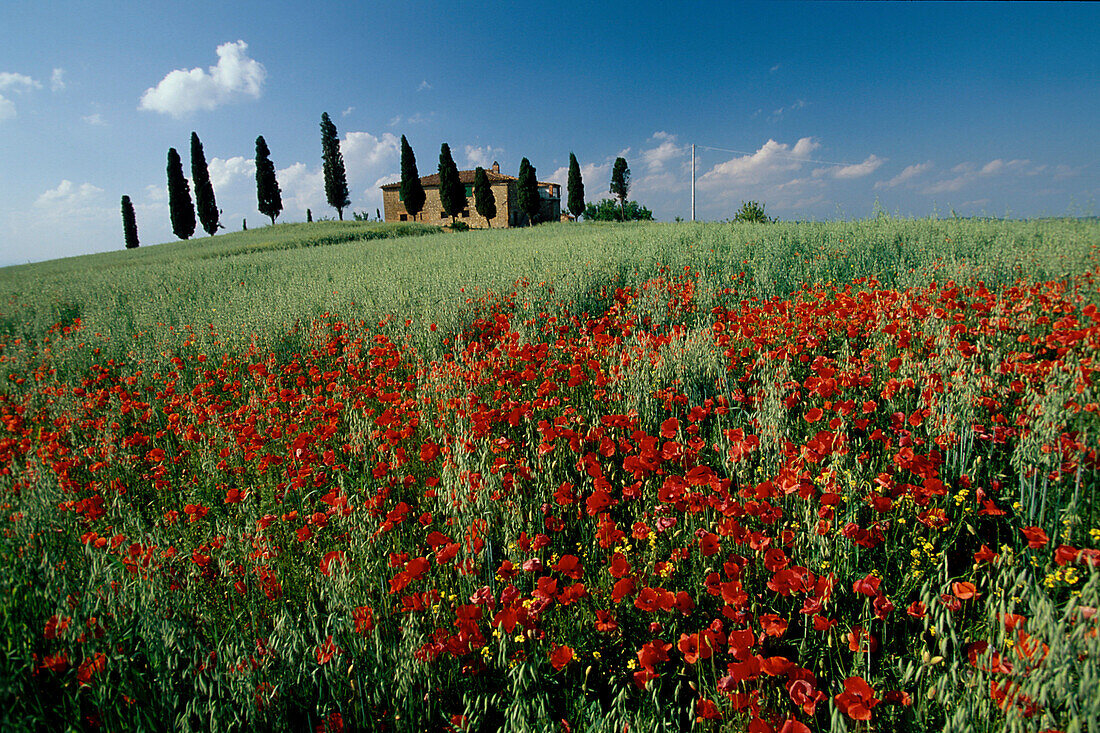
pixel 706 710
pixel 622 589
pixel 606 622
pixel 773 625
pixel 857 700
pixel 326 651
pixel 560 656
pixel 619 566
pixel 867 586
pixel 1035 536
pixel 964 591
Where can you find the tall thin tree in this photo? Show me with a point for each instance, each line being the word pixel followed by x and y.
pixel 412 191
pixel 269 197
pixel 452 194
pixel 527 191
pixel 484 200
pixel 336 180
pixel 129 223
pixel 205 204
pixel 180 207
pixel 576 188
pixel 620 183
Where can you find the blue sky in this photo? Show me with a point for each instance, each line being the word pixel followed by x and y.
pixel 817 109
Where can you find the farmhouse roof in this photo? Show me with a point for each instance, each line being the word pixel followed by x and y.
pixel 467 177
pixel 463 176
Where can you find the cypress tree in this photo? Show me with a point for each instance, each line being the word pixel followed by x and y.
pixel 309 216
pixel 620 183
pixel 452 194
pixel 180 207
pixel 412 192
pixel 576 188
pixel 336 180
pixel 484 200
pixel 527 191
pixel 268 195
pixel 129 223
pixel 205 204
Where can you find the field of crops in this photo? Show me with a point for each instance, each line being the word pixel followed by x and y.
pixel 785 477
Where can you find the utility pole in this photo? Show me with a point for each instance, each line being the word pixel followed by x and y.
pixel 693 181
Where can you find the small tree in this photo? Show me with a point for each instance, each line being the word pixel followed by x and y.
pixel 484 200
pixel 129 223
pixel 452 194
pixel 620 183
pixel 527 191
pixel 205 204
pixel 269 197
pixel 752 211
pixel 576 187
pixel 336 180
pixel 180 207
pixel 412 192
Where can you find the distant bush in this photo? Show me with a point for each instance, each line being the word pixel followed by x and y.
pixel 752 211
pixel 610 210
pixel 458 226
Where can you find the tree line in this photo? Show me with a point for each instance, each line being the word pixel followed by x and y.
pixel 185 214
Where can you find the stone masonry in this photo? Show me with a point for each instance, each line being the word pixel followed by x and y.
pixel 504 191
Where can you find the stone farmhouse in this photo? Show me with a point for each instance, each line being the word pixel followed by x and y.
pixel 504 191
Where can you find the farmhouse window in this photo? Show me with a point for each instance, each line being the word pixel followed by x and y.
pixel 404 217
pixel 469 190
pixel 466 214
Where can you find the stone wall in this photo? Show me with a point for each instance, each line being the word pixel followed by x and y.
pixel 432 213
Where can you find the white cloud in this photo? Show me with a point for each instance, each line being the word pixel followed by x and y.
pixel 596 180
pixel 483 156
pixel 424 86
pixel 798 104
pixel 17 82
pixel 775 68
pixel 10 81
pixel 347 111
pixel 95 119
pixel 69 196
pixel 57 80
pixel 235 76
pixel 968 173
pixel 302 188
pixel 156 194
pixel 666 150
pixel 414 119
pixel 858 170
pixel 225 172
pixel 908 173
pixel 770 161
pixel 364 153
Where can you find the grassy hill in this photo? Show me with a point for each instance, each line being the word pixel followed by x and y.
pixel 255 285
pixel 722 477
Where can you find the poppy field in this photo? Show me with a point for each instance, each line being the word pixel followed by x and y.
pixel 768 478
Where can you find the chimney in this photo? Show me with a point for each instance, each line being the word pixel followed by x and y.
pixel 496 167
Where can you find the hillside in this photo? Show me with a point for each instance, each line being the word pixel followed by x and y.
pixel 721 477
